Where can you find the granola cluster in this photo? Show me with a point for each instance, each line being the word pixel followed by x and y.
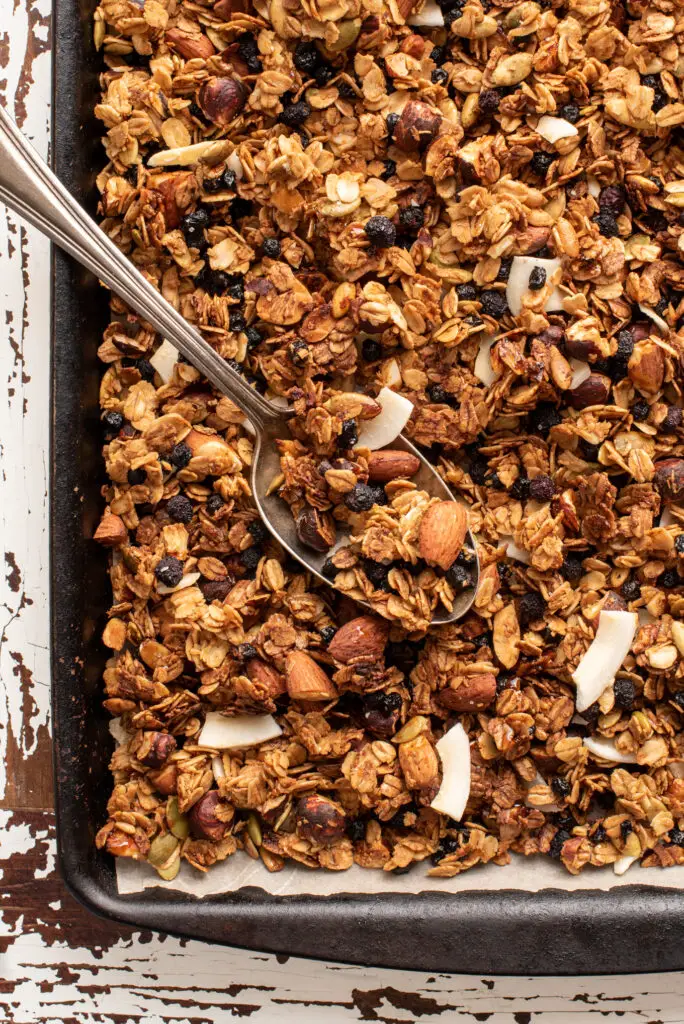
pixel 481 207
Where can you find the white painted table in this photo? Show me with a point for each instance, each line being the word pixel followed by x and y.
pixel 57 963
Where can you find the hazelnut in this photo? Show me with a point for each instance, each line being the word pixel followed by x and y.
pixel 669 479
pixel 156 748
pixel 413 45
pixel 592 391
pixel 646 367
pixel 165 781
pixel 579 349
pixel 417 126
pixel 319 819
pixel 222 99
pixel 315 530
pixel 204 820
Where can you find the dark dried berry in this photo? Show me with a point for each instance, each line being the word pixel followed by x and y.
pixel 571 569
pixel 494 303
pixel 439 54
pixel 180 455
pixel 258 531
pixel 327 633
pixel 599 835
pixel 459 578
pixel 381 232
pixel 389 171
pixel 376 572
pixel 676 836
pixel 505 269
pixel 240 208
pixel 679 543
pixel 544 417
pixel 329 570
pixel 356 830
pixel 447 846
pixel 520 489
pixel 392 120
pixel 661 305
pixel 180 508
pixel 542 488
pixel 606 224
pixel 360 499
pixel 402 655
pixel 626 828
pixel 386 703
pixel 217 590
pixel 323 75
pixel 530 608
pixel 250 558
pixel 488 101
pixel 631 589
pixel 245 652
pixel 371 350
pixel 537 279
pixel 169 571
pixel 136 476
pixel 346 90
pixel 234 365
pixel 438 394
pixel 625 344
pixel 483 640
pixel 612 200
pixel 439 76
pixel 672 421
pixel 556 847
pixel 478 471
pixel 271 247
pixel 349 435
pixel 193 225
pixel 670 579
pixel 224 182
pixel 214 503
pixel 306 57
pixel 561 786
pixel 540 162
pixel 236 288
pixel 570 112
pixel 625 692
pixel 640 410
pixel 237 321
pixel 379 495
pixel 589 451
pixel 113 422
pixel 253 337
pixel 412 218
pixel 466 292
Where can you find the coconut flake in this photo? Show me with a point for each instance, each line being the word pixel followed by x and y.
pixel 593 186
pixel 519 280
pixel 553 129
pixel 188 581
pixel 430 16
pixel 119 731
pixel 454 752
pixel 622 864
pixel 645 617
pixel 483 363
pixel 513 551
pixel 666 518
pixel 550 808
pixel 184 156
pixel 164 360
pixel 657 320
pixel 395 412
pixel 233 164
pixel 609 648
pixel 220 733
pixel 217 767
pixel 391 373
pixel 607 750
pixel 580 372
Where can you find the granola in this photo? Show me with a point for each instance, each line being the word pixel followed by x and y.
pixel 480 208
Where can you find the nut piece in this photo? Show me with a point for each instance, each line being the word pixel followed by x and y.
pixel 165 781
pixel 155 748
pixel 174 186
pixel 306 680
pixel 420 764
pixel 222 99
pixel 204 817
pixel 669 479
pixel 188 45
pixel 417 126
pixel 362 638
pixel 646 366
pixel 442 533
pixel 319 819
pixel 592 391
pixel 315 530
pixel 111 531
pixel 265 676
pixel 387 464
pixel 472 694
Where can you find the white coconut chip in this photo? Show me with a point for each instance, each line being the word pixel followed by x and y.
pixel 118 731
pixel 513 551
pixel 395 412
pixel 391 373
pixel 483 363
pixel 233 164
pixel 609 648
pixel 164 360
pixel 188 581
pixel 220 733
pixel 657 320
pixel 217 767
pixel 607 751
pixel 580 372
pixel 593 186
pixel 430 16
pixel 645 617
pixel 623 864
pixel 550 808
pixel 666 518
pixel 553 129
pixel 519 281
pixel 454 753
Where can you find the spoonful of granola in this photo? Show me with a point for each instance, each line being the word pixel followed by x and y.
pixel 354 501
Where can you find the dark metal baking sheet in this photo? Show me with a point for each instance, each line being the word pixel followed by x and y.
pixel 633 929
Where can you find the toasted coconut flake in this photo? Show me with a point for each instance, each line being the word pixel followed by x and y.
pixel 164 360
pixel 553 129
pixel 598 667
pixel 383 429
pixel 483 364
pixel 221 733
pixel 454 752
pixel 606 749
pixel 430 16
pixel 519 279
pixel 580 372
pixel 188 581
pixel 657 320
pixel 623 864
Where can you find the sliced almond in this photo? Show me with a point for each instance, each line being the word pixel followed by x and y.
pixel 390 464
pixel 363 637
pixel 164 360
pixel 553 129
pixel 306 680
pixel 442 533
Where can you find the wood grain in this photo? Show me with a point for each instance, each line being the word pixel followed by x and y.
pixel 59 964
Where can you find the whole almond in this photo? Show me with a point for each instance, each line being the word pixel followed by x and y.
pixel 306 680
pixel 442 532
pixel 266 676
pixel 472 694
pixel 388 464
pixel 419 763
pixel 222 99
pixel 111 531
pixel 188 45
pixel 646 367
pixel 364 637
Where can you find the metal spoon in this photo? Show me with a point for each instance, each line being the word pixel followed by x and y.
pixel 28 186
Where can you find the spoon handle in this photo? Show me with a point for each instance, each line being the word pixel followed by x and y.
pixel 29 187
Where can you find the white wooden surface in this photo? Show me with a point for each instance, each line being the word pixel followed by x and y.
pixel 56 963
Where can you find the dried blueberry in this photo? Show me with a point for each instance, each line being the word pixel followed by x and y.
pixel 412 218
pixel 541 162
pixel 488 101
pixel 329 570
pixel 625 344
pixel 439 54
pixel 438 394
pixel 520 489
pixel 439 76
pixel 676 836
pixel 537 279
pixel 459 578
pixel 389 171
pixel 561 786
pixel 169 571
pixel 371 350
pixel 542 488
pixel 640 410
pixel 193 225
pixel 505 269
pixel 570 112
pixel 381 232
pixel 214 503
pixel 494 303
pixel 253 337
pixel 466 292
pixel 136 476
pixel 250 558
pixel 360 499
pixel 544 417
pixel 240 208
pixel 625 693
pixel 225 182
pixel 237 321
pixel 670 579
pixel 306 57
pixel 626 828
pixel 376 572
pixel 612 200
pixel 447 846
pixel 323 74
pixel 606 224
pixel 556 847
pixel 478 471
pixel 327 633
pixel 356 830
pixel 349 435
pixel 679 543
pixel 113 422
pixel 631 589
pixel 271 247
pixel 179 508
pixel 258 531
pixel 672 421
pixel 347 91
pixel 298 352
pixel 571 569
pixel 392 120
pixel 599 835
pixel 530 608
pixel 245 652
